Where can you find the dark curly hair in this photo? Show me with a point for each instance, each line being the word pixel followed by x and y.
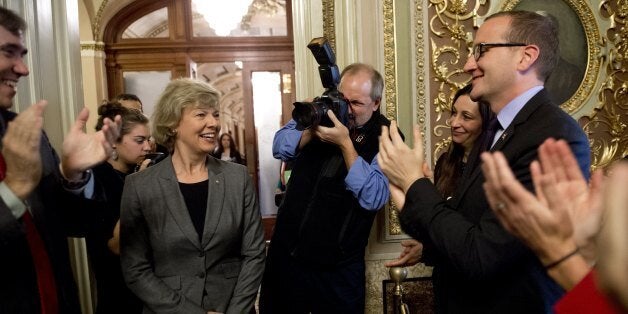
pixel 130 117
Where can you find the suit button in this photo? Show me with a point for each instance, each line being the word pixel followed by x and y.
pixel 201 254
pixel 201 275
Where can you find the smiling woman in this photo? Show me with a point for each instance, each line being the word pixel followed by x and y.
pixel 191 231
pixel 468 121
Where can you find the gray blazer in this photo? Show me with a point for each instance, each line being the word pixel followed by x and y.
pixel 163 262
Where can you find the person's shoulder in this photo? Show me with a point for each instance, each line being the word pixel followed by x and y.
pixel 152 172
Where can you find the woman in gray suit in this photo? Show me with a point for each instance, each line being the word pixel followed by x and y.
pixel 191 233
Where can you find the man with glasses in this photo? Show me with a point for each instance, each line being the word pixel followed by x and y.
pixel 315 261
pixel 478 266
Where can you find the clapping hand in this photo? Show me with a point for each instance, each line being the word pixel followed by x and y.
pixel 20 149
pixel 401 164
pixel 82 151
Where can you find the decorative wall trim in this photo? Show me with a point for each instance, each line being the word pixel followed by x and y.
pixel 608 124
pixel 92 46
pixel 390 73
pixel 393 227
pixel 96 27
pixel 329 25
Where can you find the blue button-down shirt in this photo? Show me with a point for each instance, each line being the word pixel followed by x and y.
pixel 366 181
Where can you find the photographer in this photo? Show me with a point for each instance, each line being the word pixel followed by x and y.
pixel 316 259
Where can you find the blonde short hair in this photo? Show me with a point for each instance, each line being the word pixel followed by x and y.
pixel 178 95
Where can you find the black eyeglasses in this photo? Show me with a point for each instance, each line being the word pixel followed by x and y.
pixel 481 48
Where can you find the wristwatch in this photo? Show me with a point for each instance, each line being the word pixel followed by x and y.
pixel 75 185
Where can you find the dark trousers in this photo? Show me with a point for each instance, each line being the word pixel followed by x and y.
pixel 291 286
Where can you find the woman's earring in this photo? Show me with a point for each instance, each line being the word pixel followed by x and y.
pixel 114 155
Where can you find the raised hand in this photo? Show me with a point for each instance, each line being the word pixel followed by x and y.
pixel 20 149
pixel 82 151
pixel 401 164
pixel 547 232
pixel 563 185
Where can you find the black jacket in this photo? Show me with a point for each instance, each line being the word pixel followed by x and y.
pixel 479 266
pixel 320 222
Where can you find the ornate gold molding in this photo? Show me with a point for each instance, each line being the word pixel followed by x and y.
pixel 98 19
pixel 93 46
pixel 608 125
pixel 451 24
pixel 329 25
pixel 419 44
pixel 390 71
pixel 390 88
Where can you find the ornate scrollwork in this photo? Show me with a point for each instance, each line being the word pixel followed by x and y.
pixel 608 125
pixel 390 82
pixel 451 26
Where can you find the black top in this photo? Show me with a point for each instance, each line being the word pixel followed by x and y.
pixel 195 196
pixel 104 212
pixel 320 222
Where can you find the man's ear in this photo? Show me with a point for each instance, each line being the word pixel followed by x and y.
pixel 529 57
pixel 377 103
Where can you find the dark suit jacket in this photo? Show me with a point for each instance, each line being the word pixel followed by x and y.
pixel 53 218
pixel 479 266
pixel 163 261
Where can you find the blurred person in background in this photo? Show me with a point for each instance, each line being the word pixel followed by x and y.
pixel 227 150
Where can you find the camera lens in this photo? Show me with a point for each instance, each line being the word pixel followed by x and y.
pixel 306 115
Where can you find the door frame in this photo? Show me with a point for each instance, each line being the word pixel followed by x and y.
pixel 287 98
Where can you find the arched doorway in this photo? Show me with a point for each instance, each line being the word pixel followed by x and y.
pixel 148 43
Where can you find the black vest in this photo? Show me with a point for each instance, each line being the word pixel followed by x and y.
pixel 320 222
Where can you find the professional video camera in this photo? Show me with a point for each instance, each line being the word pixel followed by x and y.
pixel 311 114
